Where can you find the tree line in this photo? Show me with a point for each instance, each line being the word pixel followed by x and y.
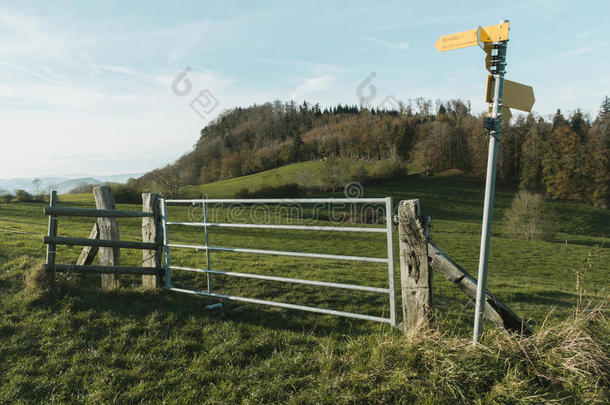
pixel 566 157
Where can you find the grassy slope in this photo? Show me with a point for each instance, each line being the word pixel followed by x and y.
pixel 273 177
pixel 131 345
pixel 227 188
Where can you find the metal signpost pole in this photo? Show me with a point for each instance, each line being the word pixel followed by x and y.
pixel 490 184
pixel 505 94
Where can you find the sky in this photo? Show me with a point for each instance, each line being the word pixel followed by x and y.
pixel 109 87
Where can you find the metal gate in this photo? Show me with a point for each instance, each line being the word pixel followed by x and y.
pixel 206 224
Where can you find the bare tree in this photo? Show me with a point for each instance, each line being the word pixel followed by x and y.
pixel 37 182
pixel 334 173
pixel 169 181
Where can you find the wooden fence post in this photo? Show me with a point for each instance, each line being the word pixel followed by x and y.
pixel 50 261
pixel 151 232
pixel 108 229
pixel 415 274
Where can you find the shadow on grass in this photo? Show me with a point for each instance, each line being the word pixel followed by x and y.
pixel 137 304
pixel 548 298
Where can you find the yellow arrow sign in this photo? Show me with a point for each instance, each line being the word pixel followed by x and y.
pixel 457 41
pixel 514 95
pixel 493 33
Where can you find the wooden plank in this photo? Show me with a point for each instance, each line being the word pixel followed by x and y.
pixel 105 270
pixel 495 310
pixel 52 231
pixel 415 274
pixel 152 232
pixel 87 255
pixel 94 213
pixel 62 240
pixel 109 230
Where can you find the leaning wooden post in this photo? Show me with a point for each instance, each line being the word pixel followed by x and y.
pixel 415 274
pixel 50 262
pixel 108 229
pixel 151 232
pixel 87 255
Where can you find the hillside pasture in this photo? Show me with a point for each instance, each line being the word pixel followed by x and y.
pixel 79 343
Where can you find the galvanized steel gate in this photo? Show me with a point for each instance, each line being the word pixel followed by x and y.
pixel 389 259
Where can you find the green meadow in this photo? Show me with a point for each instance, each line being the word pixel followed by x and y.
pixel 77 343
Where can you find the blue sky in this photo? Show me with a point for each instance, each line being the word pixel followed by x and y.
pixel 86 87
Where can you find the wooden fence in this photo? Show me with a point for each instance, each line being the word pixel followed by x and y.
pixel 418 256
pixel 104 239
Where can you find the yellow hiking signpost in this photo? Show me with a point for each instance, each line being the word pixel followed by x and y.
pixel 501 94
pixel 493 33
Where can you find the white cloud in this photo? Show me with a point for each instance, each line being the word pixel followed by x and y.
pixel 27 71
pixel 179 41
pixel 117 69
pixel 27 35
pixel 96 68
pixel 580 51
pixel 199 78
pixel 311 86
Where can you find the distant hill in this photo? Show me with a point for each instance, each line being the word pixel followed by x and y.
pixel 250 140
pixel 62 184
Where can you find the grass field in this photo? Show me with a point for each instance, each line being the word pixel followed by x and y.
pixel 78 344
pixel 271 178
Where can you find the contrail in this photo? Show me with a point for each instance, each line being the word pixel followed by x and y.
pixel 32 73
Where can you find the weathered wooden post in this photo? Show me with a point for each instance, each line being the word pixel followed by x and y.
pixel 108 229
pixel 151 232
pixel 415 274
pixel 50 261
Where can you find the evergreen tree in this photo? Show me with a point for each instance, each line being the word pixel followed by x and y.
pixel 597 165
pixel 579 124
pixel 604 110
pixel 559 120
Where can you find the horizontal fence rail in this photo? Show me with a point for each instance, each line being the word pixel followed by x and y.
pixel 287 306
pixel 280 201
pixel 285 279
pixel 206 224
pixel 61 240
pixel 95 213
pixel 285 227
pixel 282 253
pixel 95 269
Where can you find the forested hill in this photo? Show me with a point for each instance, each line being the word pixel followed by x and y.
pixel 567 158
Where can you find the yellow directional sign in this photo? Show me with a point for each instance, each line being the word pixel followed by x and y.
pixel 493 33
pixel 457 41
pixel 514 95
